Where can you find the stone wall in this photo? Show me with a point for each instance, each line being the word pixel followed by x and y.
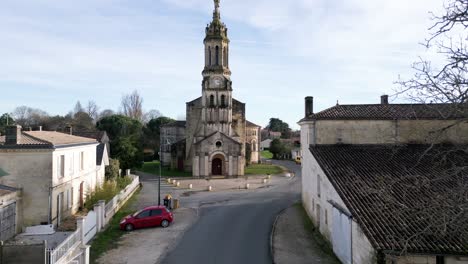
pixel 386 131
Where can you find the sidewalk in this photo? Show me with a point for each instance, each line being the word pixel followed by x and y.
pixel 293 243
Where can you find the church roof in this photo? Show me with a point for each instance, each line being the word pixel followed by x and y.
pixel 250 124
pixel 391 112
pixel 377 183
pixel 222 134
pixel 179 123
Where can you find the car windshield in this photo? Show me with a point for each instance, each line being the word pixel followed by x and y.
pixel 136 213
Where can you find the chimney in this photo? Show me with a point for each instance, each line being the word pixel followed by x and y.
pixel 384 99
pixel 309 106
pixel 13 135
pixel 69 130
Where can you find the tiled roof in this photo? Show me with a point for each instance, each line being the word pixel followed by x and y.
pixel 391 112
pixel 175 124
pixel 45 139
pixel 359 172
pixel 98 135
pixel 250 124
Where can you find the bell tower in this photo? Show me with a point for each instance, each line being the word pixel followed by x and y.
pixel 217 85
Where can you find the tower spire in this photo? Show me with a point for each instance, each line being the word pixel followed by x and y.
pixel 216 13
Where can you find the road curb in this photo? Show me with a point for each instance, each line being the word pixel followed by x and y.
pixel 272 234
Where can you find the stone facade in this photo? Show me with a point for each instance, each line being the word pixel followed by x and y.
pixel 216 130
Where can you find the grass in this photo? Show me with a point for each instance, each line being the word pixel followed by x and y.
pixel 107 191
pixel 259 169
pixel 108 238
pixel 266 154
pixel 317 236
pixel 152 167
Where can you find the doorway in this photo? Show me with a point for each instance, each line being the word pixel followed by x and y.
pixel 217 167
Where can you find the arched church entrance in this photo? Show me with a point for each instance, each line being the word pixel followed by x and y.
pixel 217 165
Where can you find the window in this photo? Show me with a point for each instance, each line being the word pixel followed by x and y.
pixel 219 144
pixel 440 260
pixel 217 55
pixel 72 164
pixel 223 100
pixel 144 214
pixel 61 166
pixel 82 160
pixel 225 57
pixel 156 212
pixel 209 56
pixel 319 180
pixel 212 101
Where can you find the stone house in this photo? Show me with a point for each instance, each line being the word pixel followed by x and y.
pixel 350 153
pixel 216 131
pixel 170 134
pixel 54 170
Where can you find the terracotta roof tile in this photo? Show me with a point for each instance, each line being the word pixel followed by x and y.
pixel 358 172
pixel 47 139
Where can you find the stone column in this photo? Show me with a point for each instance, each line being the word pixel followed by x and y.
pixel 196 166
pixel 207 167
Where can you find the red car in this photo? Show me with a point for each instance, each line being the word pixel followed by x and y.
pixel 148 217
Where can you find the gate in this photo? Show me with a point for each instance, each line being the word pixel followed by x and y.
pixel 341 236
pixel 8 221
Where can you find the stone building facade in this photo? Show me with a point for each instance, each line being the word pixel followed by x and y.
pixel 216 131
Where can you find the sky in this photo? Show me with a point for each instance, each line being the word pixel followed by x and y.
pixel 56 52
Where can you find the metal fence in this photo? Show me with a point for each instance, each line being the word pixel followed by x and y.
pixel 56 254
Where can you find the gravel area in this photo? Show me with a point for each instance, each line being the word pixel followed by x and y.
pixel 149 245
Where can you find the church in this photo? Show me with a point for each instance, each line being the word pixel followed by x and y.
pixel 216 138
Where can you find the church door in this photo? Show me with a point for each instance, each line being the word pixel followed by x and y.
pixel 217 167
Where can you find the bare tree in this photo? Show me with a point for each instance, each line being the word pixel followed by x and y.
pixel 132 105
pixel 78 108
pixel 29 117
pixel 92 110
pixel 445 213
pixel 151 114
pixel 106 113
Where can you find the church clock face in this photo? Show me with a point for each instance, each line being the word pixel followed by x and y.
pixel 216 82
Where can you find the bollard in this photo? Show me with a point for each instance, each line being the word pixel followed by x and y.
pixel 169 180
pixel 288 175
pixel 178 184
pixel 174 182
pixel 209 188
pixel 176 204
pixel 190 186
pixel 265 180
pixel 269 176
pixel 247 186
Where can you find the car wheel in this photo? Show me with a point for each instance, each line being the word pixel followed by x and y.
pixel 164 223
pixel 129 227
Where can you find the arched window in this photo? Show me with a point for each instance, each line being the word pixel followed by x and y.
pixel 223 100
pixel 209 56
pixel 217 55
pixel 212 101
pixel 254 145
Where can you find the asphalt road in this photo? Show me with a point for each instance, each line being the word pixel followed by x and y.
pixel 236 227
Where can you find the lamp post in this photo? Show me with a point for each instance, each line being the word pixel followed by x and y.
pixel 159 181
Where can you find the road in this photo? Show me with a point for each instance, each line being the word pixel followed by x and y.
pixel 235 227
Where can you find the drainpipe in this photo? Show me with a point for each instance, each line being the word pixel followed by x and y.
pixel 50 206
